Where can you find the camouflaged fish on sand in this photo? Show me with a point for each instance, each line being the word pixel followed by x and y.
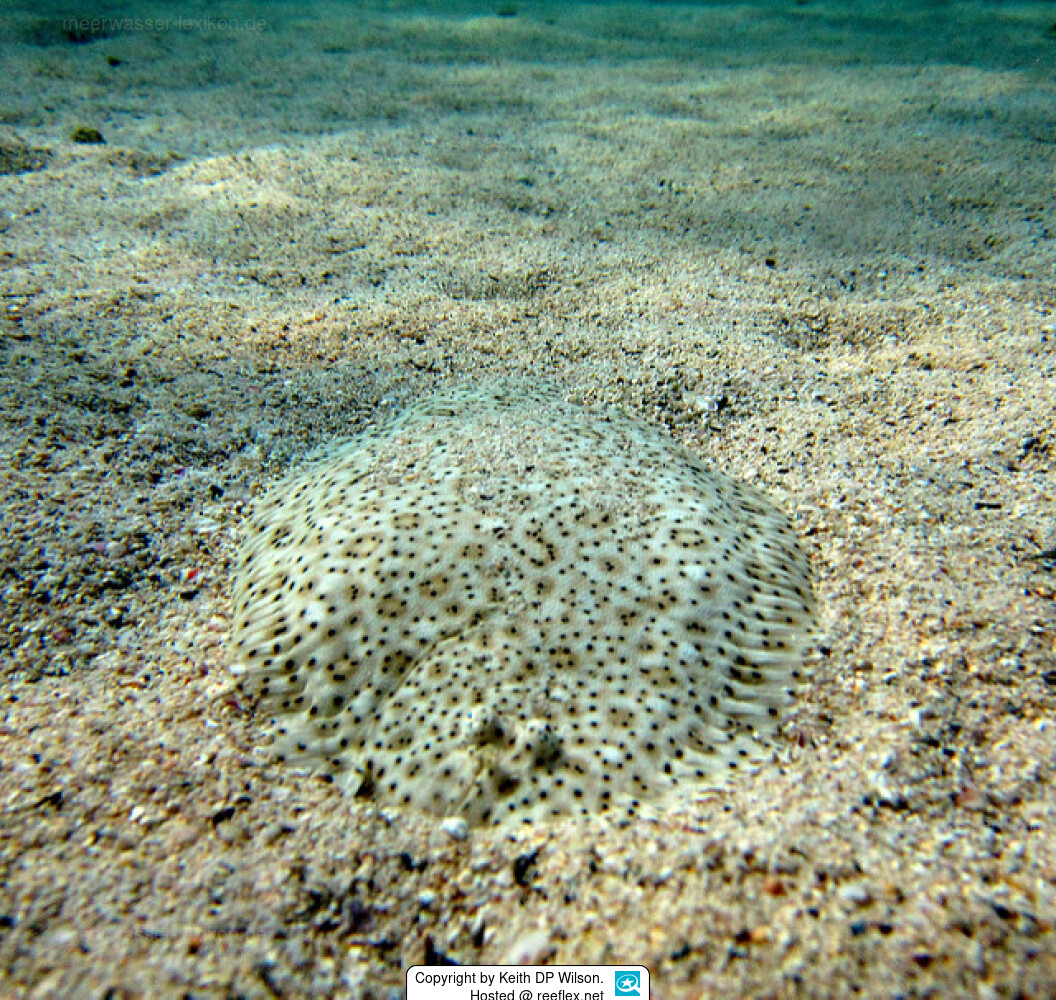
pixel 504 606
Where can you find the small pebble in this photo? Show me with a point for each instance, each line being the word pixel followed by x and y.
pixel 455 827
pixel 854 894
pixel 528 949
pixel 83 134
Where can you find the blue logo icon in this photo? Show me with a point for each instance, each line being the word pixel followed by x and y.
pixel 628 983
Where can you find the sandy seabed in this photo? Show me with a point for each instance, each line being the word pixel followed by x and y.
pixel 813 240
